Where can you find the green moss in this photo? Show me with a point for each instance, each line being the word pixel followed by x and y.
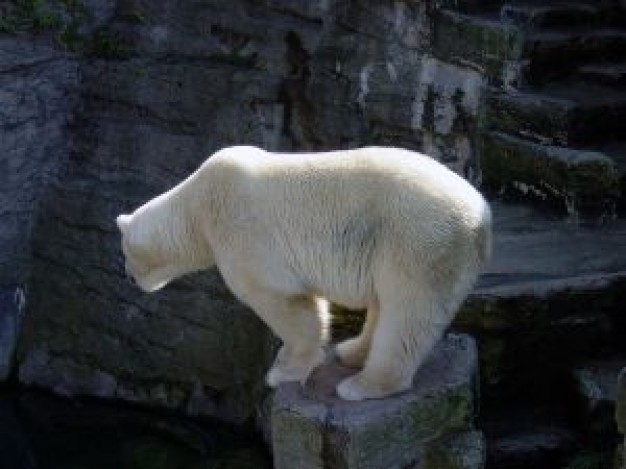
pixel 109 44
pixel 64 17
pixel 29 15
pixel 69 37
pixel 457 451
pixel 455 411
pixel 135 17
pixel 488 44
pixel 5 26
pixel 576 182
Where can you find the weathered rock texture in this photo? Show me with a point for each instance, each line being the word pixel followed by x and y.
pixel 38 92
pixel 430 426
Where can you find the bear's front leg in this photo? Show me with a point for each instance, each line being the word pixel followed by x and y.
pixel 293 365
pixel 299 321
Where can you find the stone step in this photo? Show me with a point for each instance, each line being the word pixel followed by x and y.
pixel 608 74
pixel 564 114
pixel 483 41
pixel 552 55
pixel 583 184
pixel 423 428
pixel 616 151
pixel 537 255
pixel 551 296
pixel 511 54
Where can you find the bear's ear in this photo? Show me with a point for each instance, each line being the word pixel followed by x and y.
pixel 122 221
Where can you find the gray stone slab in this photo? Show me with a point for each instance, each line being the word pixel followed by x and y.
pixel 582 184
pixel 534 254
pixel 313 428
pixel 558 114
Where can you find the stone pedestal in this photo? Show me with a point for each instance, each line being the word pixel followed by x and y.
pixel 430 426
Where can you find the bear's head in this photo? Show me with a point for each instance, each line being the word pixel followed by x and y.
pixel 148 261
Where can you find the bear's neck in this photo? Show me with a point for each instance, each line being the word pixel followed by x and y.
pixel 185 237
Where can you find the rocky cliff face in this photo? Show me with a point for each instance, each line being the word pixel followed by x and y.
pixel 38 91
pixel 123 99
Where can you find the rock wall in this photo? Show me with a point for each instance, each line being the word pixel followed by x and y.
pixel 124 98
pixel 38 94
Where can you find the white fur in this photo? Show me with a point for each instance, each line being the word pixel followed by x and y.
pixel 384 229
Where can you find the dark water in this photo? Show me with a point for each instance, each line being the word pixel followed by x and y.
pixel 38 431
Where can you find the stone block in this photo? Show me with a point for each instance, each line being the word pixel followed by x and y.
pixel 312 428
pixel 38 87
pixel 552 55
pixel 571 115
pixel 584 184
pixel 489 45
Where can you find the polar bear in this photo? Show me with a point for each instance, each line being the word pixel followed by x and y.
pixel 387 230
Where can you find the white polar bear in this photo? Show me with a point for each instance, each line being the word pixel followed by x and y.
pixel 382 229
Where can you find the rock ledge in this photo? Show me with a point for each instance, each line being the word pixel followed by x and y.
pixel 313 428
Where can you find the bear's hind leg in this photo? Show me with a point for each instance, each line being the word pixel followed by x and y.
pixel 405 334
pixel 299 322
pixel 353 352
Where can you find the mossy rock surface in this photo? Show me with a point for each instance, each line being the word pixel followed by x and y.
pixel 581 183
pixel 313 428
pixel 574 115
pixel 457 451
pixel 490 45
